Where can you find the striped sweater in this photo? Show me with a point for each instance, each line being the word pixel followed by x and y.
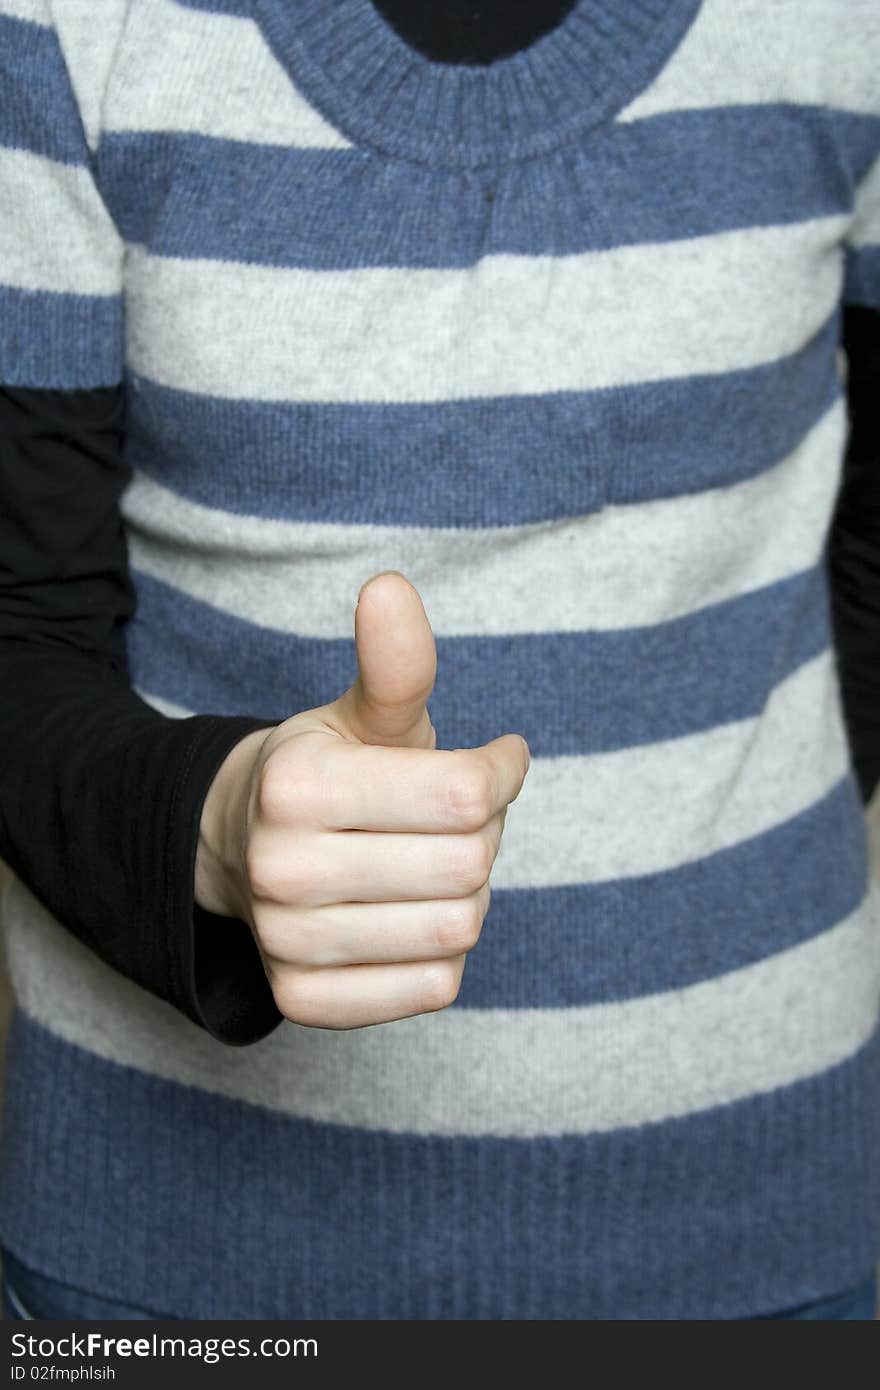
pixel 556 337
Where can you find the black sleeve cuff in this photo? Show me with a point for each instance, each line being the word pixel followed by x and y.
pixel 218 974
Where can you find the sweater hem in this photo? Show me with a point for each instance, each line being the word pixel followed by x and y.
pixel 742 1210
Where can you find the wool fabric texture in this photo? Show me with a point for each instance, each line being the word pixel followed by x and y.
pixel 556 337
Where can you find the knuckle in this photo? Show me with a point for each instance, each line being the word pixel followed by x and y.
pixel 283 795
pixel 460 927
pixel 260 872
pixel 298 878
pixel 296 997
pixel 442 981
pixel 311 944
pixel 289 882
pixel 470 798
pixel 272 790
pixel 287 939
pixel 474 863
pixel 266 932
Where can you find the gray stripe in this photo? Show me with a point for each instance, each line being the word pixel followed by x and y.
pixel 90 50
pixel 509 324
pixel 212 74
pixel 647 809
pixel 752 51
pixel 865 230
pixel 55 233
pixel 34 10
pixel 485 1072
pixel 624 566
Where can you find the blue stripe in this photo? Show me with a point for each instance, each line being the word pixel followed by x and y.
pixel 605 942
pixel 196 1206
pixel 651 181
pixel 239 8
pixel 566 692
pixel 56 341
pixel 37 107
pixel 862 281
pixel 481 462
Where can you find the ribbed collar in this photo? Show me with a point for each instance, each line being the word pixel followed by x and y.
pixel 354 68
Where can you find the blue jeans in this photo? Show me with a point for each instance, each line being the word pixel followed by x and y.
pixel 30 1295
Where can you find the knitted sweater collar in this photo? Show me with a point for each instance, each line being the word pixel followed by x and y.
pixel 353 67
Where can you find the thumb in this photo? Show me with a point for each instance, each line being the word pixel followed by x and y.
pixel 397 665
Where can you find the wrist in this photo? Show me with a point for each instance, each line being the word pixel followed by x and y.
pixel 219 866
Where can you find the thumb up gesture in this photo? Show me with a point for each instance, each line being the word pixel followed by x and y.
pixel 359 852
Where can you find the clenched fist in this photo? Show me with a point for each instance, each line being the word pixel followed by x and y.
pixel 359 852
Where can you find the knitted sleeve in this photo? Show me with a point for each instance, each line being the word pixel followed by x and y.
pixel 60 254
pixel 100 794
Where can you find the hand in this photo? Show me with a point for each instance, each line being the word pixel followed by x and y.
pixel 359 852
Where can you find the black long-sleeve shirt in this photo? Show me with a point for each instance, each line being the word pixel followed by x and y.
pixel 102 794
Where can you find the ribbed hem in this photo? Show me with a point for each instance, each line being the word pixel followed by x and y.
pixel 190 1204
pixel 354 68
